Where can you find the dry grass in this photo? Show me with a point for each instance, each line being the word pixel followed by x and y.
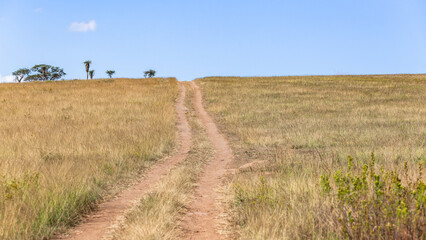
pixel 64 145
pixel 306 127
pixel 157 215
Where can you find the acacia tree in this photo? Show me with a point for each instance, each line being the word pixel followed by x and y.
pixel 43 72
pixel 87 64
pixel 20 74
pixel 110 73
pixel 91 73
pixel 150 73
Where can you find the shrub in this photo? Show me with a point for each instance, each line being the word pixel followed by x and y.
pixel 376 204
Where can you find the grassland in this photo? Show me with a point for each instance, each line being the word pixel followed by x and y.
pixel 305 128
pixel 66 145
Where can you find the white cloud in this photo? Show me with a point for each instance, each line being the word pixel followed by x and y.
pixel 38 9
pixel 6 79
pixel 82 26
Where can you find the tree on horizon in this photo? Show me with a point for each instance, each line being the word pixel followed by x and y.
pixel 110 73
pixel 150 73
pixel 44 72
pixel 87 64
pixel 20 74
pixel 91 73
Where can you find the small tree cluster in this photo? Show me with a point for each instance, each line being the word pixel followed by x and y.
pixel 44 72
pixel 40 72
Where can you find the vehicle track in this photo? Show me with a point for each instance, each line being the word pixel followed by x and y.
pixel 202 218
pixel 97 224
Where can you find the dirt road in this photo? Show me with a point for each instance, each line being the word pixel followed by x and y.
pixel 201 220
pixel 98 223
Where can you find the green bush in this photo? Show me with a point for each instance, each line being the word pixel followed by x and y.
pixel 375 203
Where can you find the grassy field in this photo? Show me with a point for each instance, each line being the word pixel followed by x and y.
pixel 305 128
pixel 65 145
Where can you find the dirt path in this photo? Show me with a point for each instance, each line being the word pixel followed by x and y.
pixel 201 220
pixel 98 223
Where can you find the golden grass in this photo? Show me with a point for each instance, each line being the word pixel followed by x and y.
pixel 305 127
pixel 157 215
pixel 65 145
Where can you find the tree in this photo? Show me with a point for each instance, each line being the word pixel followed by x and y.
pixel 110 73
pixel 150 73
pixel 43 72
pixel 91 73
pixel 87 63
pixel 20 74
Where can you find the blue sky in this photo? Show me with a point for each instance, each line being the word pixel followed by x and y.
pixel 190 39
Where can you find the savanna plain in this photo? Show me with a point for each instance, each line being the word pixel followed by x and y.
pixel 337 157
pixel 315 157
pixel 66 145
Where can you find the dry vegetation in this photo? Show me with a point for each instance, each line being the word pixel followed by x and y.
pixel 157 215
pixel 65 145
pixel 306 127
